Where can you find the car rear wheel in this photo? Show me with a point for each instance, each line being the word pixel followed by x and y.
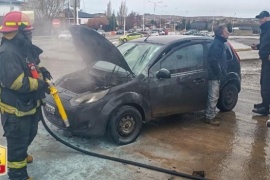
pixel 124 40
pixel 125 125
pixel 228 97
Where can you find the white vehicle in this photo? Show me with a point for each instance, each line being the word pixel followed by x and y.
pixel 154 33
pixel 65 35
pixel 161 33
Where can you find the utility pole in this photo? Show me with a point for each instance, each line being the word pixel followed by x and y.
pixel 68 14
pixel 75 12
pixel 143 15
pixel 10 5
pixel 155 4
pixel 125 12
pixel 186 21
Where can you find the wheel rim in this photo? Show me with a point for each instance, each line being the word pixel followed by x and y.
pixel 230 97
pixel 126 125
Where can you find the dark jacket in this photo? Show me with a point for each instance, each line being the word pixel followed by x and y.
pixel 217 65
pixel 264 46
pixel 18 88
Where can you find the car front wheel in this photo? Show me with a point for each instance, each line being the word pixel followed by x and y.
pixel 125 125
pixel 228 97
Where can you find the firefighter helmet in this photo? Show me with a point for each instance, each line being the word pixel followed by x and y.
pixel 13 20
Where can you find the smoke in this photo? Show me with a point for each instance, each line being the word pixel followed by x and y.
pixel 59 55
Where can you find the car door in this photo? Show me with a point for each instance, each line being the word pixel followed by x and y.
pixel 186 89
pixel 131 36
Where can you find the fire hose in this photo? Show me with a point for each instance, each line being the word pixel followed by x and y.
pixel 63 115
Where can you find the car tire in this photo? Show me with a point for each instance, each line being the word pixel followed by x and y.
pixel 228 97
pixel 125 125
pixel 124 40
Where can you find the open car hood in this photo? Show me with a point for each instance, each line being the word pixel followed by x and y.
pixel 93 47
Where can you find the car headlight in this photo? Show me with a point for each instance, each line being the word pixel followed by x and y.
pixel 88 98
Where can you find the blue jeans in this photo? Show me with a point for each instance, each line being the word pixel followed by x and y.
pixel 212 99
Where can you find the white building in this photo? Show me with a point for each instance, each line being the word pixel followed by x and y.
pixel 10 5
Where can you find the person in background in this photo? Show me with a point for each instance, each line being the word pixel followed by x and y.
pixel 22 88
pixel 264 53
pixel 217 67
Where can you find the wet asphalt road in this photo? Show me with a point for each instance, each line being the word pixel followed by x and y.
pixel 238 149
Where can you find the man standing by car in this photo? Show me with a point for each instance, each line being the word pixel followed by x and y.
pixel 264 53
pixel 22 88
pixel 217 68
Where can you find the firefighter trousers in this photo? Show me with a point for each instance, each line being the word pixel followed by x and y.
pixel 19 133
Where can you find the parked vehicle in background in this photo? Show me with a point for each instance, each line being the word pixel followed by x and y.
pixel 144 33
pixel 154 33
pixel 102 32
pixel 211 34
pixel 160 31
pixel 131 31
pixel 120 31
pixel 166 31
pixel 130 36
pixel 190 32
pixel 138 81
pixel 65 35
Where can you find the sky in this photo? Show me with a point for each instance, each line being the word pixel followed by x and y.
pixel 229 8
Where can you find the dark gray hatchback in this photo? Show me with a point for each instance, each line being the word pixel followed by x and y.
pixel 138 81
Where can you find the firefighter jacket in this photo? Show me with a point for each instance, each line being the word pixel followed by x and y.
pixel 264 46
pixel 20 92
pixel 217 59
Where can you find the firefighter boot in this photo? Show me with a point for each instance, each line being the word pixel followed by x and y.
pixel 29 159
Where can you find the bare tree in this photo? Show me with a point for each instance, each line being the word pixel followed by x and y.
pixel 96 23
pixel 133 19
pixel 109 9
pixel 122 13
pixel 47 9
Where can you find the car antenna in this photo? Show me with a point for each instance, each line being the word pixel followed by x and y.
pixel 147 37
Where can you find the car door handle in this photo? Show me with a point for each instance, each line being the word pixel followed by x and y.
pixel 199 80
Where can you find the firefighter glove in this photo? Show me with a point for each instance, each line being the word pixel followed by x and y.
pixel 45 73
pixel 44 87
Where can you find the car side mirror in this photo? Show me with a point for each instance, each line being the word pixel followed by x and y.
pixel 163 74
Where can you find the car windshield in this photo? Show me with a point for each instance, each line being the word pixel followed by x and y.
pixel 138 55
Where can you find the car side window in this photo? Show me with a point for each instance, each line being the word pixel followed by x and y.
pixel 185 58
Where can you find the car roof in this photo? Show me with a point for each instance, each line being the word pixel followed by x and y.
pixel 171 38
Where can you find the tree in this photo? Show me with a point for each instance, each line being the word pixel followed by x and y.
pixel 96 23
pixel 122 13
pixel 48 9
pixel 133 19
pixel 206 25
pixel 112 23
pixel 109 9
pixel 188 25
pixel 183 24
pixel 229 26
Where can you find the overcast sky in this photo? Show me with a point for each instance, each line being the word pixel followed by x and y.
pixel 231 8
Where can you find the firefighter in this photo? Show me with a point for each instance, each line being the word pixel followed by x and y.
pixel 22 88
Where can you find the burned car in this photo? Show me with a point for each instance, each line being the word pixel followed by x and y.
pixel 144 79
